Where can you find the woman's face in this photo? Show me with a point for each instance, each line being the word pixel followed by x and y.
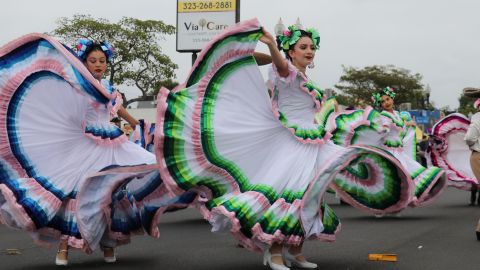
pixel 387 103
pixel 303 52
pixel 96 63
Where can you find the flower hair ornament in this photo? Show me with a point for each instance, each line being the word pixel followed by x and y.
pixel 290 36
pixel 83 45
pixel 108 49
pixel 476 104
pixel 377 97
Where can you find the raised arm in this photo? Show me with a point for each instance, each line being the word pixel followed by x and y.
pixel 277 58
pixel 123 113
pixel 262 58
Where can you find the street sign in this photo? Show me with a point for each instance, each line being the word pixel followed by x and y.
pixel 422 119
pixel 199 21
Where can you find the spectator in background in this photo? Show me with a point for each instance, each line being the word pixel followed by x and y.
pixel 422 147
pixel 472 139
pixel 117 121
pixel 127 129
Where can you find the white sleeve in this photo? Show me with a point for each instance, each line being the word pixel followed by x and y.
pixel 472 135
pixel 274 77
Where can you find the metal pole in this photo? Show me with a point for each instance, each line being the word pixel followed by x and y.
pixel 194 57
pixel 237 11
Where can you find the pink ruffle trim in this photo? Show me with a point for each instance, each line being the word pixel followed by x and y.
pixel 158 141
pixel 239 27
pixel 74 61
pixel 118 104
pixel 432 192
pixel 120 238
pixel 16 209
pixel 258 233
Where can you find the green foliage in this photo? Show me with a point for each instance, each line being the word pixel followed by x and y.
pixel 358 85
pixel 466 105
pixel 342 99
pixel 139 58
pixel 169 84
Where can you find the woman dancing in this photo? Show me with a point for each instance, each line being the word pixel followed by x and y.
pixel 55 113
pixel 260 171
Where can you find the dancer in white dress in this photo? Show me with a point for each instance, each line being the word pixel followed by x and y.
pixel 260 170
pixel 401 142
pixel 55 117
pixel 262 174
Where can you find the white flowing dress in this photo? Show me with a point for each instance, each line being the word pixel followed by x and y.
pixel 55 131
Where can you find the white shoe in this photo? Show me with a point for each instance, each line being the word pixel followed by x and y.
pixel 397 214
pixel 109 259
pixel 291 259
pixel 61 262
pixel 267 258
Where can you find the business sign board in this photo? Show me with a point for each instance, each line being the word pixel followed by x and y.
pixel 422 120
pixel 425 118
pixel 199 21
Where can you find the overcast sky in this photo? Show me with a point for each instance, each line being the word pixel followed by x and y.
pixel 439 39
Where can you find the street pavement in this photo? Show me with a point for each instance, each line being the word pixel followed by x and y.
pixel 438 236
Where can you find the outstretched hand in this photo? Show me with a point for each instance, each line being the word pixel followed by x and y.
pixel 411 123
pixel 277 58
pixel 267 38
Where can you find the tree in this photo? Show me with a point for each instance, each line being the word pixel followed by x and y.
pixel 139 59
pixel 466 104
pixel 358 85
pixel 169 84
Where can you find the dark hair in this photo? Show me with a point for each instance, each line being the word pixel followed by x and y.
pixel 92 48
pixel 303 33
pixel 116 119
pixel 86 46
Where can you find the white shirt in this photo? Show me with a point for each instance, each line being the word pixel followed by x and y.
pixel 473 133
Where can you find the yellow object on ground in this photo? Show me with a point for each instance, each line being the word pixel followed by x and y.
pixel 383 257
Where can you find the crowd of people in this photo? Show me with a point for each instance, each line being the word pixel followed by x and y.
pixel 255 162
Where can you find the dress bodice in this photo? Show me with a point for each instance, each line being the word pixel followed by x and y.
pixel 293 97
pixel 398 129
pixel 298 101
pixel 296 104
pixel 97 123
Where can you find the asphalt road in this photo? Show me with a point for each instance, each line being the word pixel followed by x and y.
pixel 439 236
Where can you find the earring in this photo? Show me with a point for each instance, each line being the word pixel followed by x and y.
pixel 312 65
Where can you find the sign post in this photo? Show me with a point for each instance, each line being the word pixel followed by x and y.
pixel 199 21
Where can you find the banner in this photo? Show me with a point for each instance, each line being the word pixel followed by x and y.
pixel 199 21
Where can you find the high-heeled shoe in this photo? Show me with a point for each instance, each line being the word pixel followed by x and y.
pixel 267 259
pixel 59 261
pixel 291 259
pixel 109 255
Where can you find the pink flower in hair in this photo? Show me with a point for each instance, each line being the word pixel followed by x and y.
pixel 477 103
pixel 287 33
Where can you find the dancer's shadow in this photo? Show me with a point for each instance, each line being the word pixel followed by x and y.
pixel 184 222
pixel 98 263
pixel 392 218
pixel 461 206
